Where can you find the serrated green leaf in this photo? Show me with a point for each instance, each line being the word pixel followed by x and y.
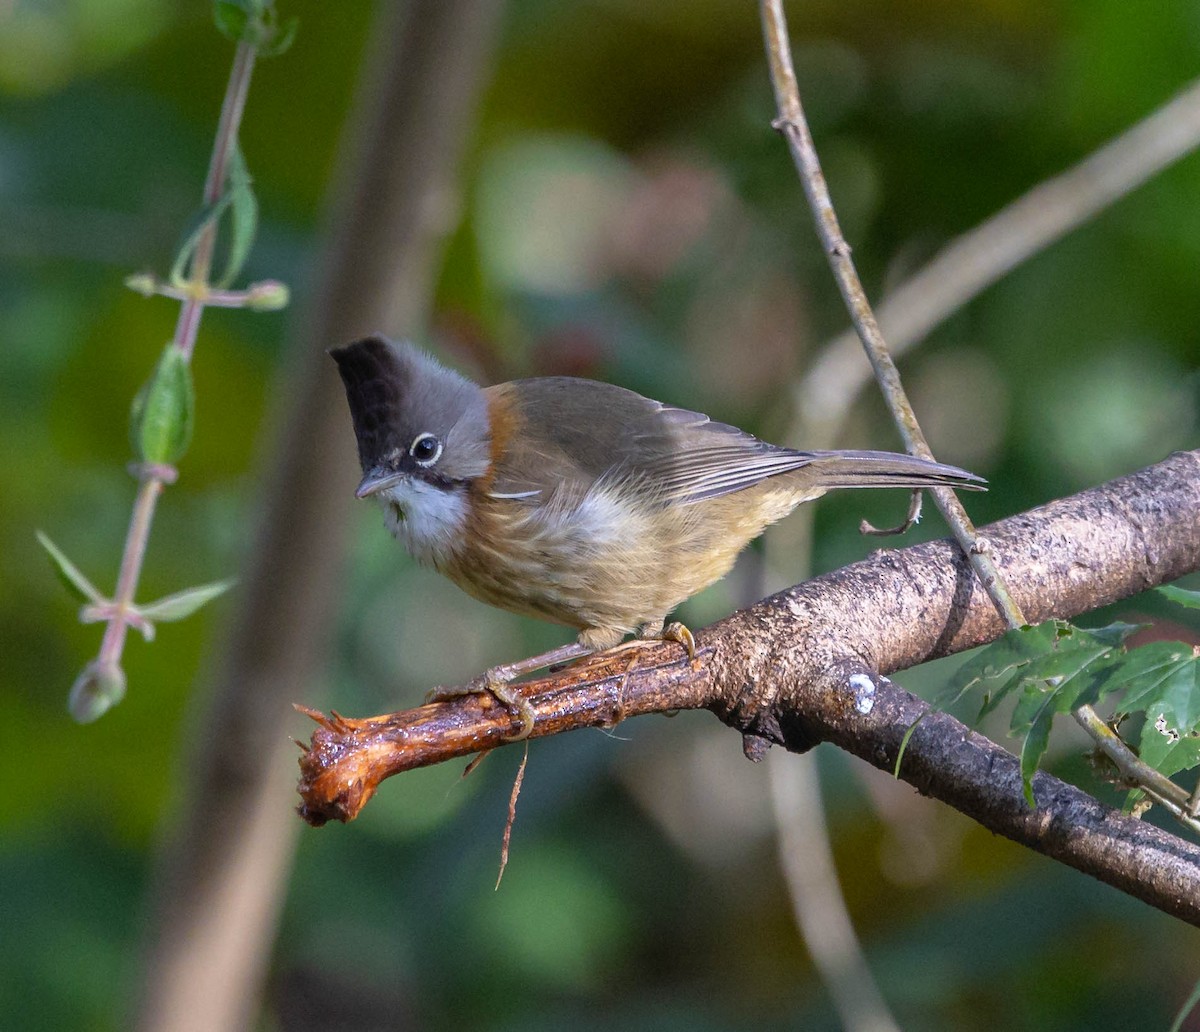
pixel 1164 749
pixel 160 425
pixel 1113 634
pixel 1055 651
pixel 1139 673
pixel 243 206
pixel 1000 692
pixel 993 666
pixel 1034 746
pixel 184 603
pixel 1163 681
pixel 1057 677
pixel 1031 699
pixel 1101 678
pixel 1183 597
pixel 1072 656
pixel 1178 697
pixel 70 574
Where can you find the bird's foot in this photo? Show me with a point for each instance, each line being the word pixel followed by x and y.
pixel 493 682
pixel 675 631
pixel 497 682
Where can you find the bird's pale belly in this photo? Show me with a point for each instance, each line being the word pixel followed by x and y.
pixel 608 565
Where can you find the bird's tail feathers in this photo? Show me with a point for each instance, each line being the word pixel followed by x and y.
pixel 887 469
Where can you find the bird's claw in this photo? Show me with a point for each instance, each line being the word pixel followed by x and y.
pixel 495 684
pixel 675 631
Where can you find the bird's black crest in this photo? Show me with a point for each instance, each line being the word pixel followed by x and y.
pixel 397 393
pixel 377 377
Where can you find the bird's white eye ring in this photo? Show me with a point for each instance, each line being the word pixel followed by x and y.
pixel 426 449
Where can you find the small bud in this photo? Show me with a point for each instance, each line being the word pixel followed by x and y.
pixel 267 296
pixel 142 283
pixel 98 688
pixel 160 423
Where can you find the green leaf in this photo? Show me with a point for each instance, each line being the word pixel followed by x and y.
pixel 184 603
pixel 244 211
pixel 178 276
pixel 232 18
pixel 70 574
pixel 1072 658
pixel 1041 699
pixel 255 22
pixel 1053 651
pixel 1164 749
pixel 1162 679
pixel 1113 634
pixel 993 666
pixel 1191 599
pixel 160 425
pixel 1179 697
pixel 1055 668
pixel 282 36
pixel 1140 672
pixel 1034 746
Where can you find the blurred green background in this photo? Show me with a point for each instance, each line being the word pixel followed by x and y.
pixel 628 214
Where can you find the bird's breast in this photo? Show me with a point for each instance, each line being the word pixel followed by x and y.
pixel 428 520
pixel 613 556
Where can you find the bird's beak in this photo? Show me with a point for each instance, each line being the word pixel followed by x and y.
pixel 376 480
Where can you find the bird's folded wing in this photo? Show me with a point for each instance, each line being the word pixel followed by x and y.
pixel 578 432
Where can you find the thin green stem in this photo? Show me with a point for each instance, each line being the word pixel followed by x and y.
pixel 131 563
pixel 227 130
pixel 152 480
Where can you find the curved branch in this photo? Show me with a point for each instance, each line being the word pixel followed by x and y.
pixel 972 262
pixel 808 665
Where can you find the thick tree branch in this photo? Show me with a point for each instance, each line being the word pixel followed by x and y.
pixel 807 665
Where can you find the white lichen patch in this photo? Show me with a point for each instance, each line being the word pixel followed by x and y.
pixel 864 692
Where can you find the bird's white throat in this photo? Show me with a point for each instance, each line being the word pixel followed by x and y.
pixel 427 519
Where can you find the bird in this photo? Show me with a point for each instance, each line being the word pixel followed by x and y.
pixel 574 500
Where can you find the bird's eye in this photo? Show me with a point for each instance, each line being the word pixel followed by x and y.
pixel 426 449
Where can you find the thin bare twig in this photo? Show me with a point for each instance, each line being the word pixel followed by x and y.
pixel 962 270
pixel 807 862
pixel 795 128
pixel 980 257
